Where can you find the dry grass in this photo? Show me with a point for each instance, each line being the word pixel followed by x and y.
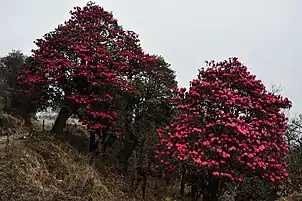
pixel 11 125
pixel 42 167
pixel 295 197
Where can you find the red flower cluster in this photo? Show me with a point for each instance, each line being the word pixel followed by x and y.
pixel 229 124
pixel 87 60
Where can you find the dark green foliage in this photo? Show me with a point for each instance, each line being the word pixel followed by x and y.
pixel 15 101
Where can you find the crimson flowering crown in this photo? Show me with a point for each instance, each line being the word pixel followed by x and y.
pixel 88 61
pixel 229 124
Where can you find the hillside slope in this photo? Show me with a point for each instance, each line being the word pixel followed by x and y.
pixel 34 165
pixel 37 166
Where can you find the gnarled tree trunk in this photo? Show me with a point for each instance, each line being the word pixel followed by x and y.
pixel 65 112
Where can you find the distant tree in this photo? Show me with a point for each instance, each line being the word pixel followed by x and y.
pixel 9 70
pixel 229 125
pixel 294 138
pixel 84 64
pixel 11 67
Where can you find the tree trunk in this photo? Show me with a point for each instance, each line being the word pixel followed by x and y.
pixel 130 142
pixel 64 114
pixel 212 189
pixel 183 182
pixel 129 145
pixel 105 138
pixel 273 195
pixel 93 143
pixel 7 105
pixel 108 143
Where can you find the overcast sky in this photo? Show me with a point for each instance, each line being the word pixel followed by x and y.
pixel 265 34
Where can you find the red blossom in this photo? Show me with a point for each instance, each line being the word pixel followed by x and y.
pixel 90 58
pixel 229 124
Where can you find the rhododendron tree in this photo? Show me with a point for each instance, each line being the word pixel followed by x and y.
pixel 229 125
pixel 84 64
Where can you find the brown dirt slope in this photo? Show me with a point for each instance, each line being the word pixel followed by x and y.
pixel 36 166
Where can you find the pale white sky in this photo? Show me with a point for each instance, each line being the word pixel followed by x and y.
pixel 265 34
